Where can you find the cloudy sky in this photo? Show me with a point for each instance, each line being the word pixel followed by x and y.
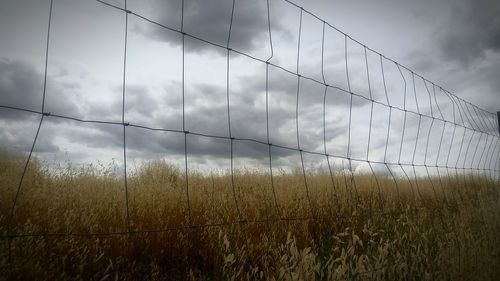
pixel 455 44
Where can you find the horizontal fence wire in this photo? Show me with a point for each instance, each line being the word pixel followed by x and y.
pixel 221 224
pixel 473 120
pixel 223 137
pixel 462 106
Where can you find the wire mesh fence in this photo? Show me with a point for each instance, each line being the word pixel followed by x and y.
pixel 438 150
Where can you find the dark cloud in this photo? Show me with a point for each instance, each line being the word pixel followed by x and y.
pixel 17 134
pixel 142 143
pixel 139 101
pixel 22 86
pixel 473 29
pixel 210 20
pixel 470 34
pixel 141 105
pixel 248 121
pixel 204 114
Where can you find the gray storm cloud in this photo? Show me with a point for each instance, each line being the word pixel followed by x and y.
pixel 473 30
pixel 210 20
pixel 160 106
pixel 21 85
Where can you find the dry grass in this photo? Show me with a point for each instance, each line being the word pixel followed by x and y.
pixel 439 230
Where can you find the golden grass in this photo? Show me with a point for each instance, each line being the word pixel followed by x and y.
pixel 426 230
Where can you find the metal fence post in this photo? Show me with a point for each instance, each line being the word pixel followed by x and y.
pixel 498 115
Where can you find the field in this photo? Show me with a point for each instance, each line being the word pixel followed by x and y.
pixel 71 224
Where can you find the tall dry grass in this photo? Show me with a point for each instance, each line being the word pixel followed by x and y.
pixel 425 229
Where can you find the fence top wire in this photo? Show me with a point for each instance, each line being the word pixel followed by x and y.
pixel 378 53
pixel 463 104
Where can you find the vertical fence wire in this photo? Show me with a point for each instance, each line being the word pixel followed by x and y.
pixel 334 190
pixel 12 210
pixel 388 134
pixel 269 146
pixel 370 125
pixel 306 187
pixel 124 81
pixel 416 138
pixel 186 132
pixel 231 138
pixel 352 182
pixel 403 132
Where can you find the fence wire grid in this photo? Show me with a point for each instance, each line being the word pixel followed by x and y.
pixel 467 123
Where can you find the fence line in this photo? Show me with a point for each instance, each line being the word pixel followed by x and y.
pixel 466 116
pixel 467 120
